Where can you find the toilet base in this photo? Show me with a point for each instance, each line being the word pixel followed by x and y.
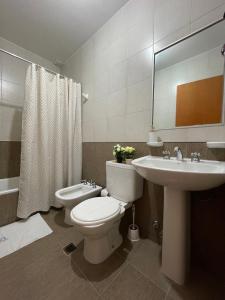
pixel 97 249
pixel 67 218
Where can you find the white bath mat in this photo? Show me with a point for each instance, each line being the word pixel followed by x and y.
pixel 19 234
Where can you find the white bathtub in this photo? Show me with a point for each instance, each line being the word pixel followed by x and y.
pixel 9 185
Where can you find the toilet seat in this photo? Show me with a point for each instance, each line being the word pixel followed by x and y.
pixel 96 211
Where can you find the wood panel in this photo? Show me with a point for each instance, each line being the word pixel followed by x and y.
pixel 200 102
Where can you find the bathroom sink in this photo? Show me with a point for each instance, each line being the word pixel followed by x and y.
pixel 183 175
pixel 178 178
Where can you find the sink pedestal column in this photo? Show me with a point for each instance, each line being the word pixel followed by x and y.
pixel 176 236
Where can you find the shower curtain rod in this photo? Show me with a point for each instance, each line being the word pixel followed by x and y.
pixel 30 62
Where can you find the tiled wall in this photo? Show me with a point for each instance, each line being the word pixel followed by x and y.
pixel 12 88
pixel 115 66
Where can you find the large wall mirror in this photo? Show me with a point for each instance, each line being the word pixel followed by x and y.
pixel 189 80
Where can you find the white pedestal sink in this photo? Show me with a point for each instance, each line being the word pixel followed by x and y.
pixel 178 178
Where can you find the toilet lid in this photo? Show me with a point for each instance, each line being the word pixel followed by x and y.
pixel 96 209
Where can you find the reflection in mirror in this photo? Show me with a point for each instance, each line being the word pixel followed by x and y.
pixel 189 79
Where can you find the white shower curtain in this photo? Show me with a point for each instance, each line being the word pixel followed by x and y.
pixel 51 140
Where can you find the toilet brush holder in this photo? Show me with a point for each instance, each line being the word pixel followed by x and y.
pixel 133 233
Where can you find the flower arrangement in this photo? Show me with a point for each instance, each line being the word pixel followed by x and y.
pixel 118 152
pixel 123 153
pixel 129 152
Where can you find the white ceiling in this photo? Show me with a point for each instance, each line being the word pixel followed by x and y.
pixel 54 29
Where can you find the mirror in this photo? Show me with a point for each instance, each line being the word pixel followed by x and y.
pixel 189 80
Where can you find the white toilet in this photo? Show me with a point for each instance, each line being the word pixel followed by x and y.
pixel 98 218
pixel 73 195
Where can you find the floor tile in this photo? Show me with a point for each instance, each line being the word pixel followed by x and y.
pixel 100 275
pixel 128 248
pixel 132 285
pixel 200 286
pixel 147 260
pixel 76 288
pixel 41 271
pixel 64 233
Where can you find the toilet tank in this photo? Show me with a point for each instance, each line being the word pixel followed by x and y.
pixel 123 182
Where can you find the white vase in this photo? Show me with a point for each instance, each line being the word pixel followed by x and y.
pixel 128 161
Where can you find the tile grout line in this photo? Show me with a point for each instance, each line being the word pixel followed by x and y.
pixel 115 277
pixel 167 294
pixel 149 279
pixel 91 284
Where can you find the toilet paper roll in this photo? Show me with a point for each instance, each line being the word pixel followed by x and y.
pixel 104 193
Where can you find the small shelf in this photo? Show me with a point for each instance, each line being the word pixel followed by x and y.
pixel 155 144
pixel 216 145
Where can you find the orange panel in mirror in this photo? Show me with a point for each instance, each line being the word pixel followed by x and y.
pixel 200 102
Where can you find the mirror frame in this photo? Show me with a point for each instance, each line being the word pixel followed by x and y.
pixel 222 123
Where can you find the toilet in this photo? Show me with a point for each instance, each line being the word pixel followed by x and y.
pixel 70 196
pixel 98 218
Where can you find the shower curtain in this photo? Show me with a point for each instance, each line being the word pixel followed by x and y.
pixel 51 140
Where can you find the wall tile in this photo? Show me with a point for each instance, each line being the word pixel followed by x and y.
pixel 9 159
pixel 13 93
pixel 136 126
pixel 116 131
pixel 101 129
pixel 202 7
pixel 139 37
pixel 117 51
pixel 102 38
pixel 138 11
pixel 13 69
pixel 87 131
pixel 117 103
pixel 139 96
pixel 118 25
pixel 208 18
pixel 10 124
pixel 170 16
pixel 140 66
pixel 101 85
pixel 118 76
pixel 171 38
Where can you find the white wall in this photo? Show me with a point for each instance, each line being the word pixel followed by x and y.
pixel 115 66
pixel 12 80
pixel 202 66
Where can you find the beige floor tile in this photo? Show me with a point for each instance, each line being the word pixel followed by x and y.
pixel 132 285
pixel 147 260
pixel 100 275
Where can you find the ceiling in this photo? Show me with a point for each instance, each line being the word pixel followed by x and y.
pixel 54 29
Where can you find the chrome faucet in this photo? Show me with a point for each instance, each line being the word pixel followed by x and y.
pixel 84 181
pixel 178 153
pixel 166 154
pixel 92 183
pixel 195 156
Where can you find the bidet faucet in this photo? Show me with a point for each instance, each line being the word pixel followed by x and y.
pixel 166 154
pixel 84 181
pixel 178 153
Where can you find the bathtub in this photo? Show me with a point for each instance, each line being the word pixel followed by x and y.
pixel 9 192
pixel 9 185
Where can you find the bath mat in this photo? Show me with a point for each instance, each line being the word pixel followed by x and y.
pixel 22 233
